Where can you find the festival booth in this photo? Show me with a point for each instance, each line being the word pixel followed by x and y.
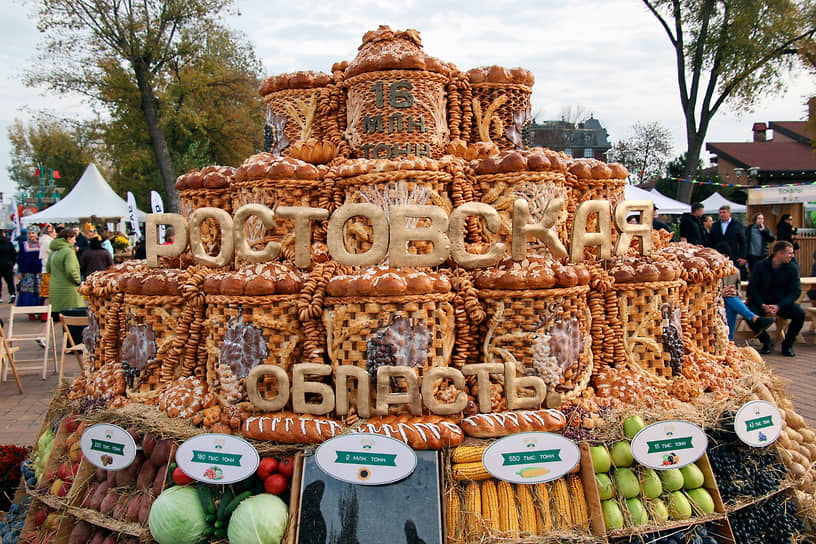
pixel 664 204
pixel 91 196
pixel 401 325
pixel 713 203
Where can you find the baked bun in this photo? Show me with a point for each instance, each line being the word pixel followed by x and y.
pixel 646 272
pixel 623 273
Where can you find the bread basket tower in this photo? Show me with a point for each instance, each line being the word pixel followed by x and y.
pixel 396 102
pixel 292 101
pixel 500 105
pixel 277 182
pixel 208 187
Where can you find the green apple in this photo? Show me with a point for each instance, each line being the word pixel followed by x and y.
pixel 613 517
pixel 702 498
pixel 679 506
pixel 650 484
pixel 692 476
pixel 631 426
pixel 601 461
pixel 626 482
pixel 606 489
pixel 638 512
pixel 672 479
pixel 659 511
pixel 622 454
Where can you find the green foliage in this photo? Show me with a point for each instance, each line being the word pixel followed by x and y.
pixel 52 144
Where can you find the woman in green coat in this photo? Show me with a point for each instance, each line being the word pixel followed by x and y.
pixel 63 266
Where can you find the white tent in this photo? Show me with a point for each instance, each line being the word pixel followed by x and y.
pixel 712 204
pixel 665 205
pixel 90 196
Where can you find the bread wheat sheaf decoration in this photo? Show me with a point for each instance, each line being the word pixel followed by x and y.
pixel 488 120
pixel 302 113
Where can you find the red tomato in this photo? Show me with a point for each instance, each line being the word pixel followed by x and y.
pixel 180 477
pixel 275 484
pixel 268 466
pixel 287 467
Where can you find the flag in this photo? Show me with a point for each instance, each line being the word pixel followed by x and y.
pixel 157 206
pixel 55 174
pixel 134 222
pixel 14 207
pixel 37 173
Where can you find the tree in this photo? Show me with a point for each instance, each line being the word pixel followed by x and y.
pixel 646 153
pixel 53 145
pixel 143 39
pixel 729 51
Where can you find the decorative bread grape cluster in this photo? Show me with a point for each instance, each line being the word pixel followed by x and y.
pixel 269 166
pixel 256 280
pixel 385 281
pixel 209 177
pixel 303 79
pixel 531 273
pixel 499 74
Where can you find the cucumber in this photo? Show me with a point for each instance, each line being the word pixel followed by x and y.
pixel 210 518
pixel 235 502
pixel 226 497
pixel 206 498
pixel 208 530
pixel 220 533
pixel 219 524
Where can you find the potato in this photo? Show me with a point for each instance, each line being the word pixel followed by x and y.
pixel 794 435
pixel 133 506
pixel 127 476
pixel 99 495
pixel 99 536
pixel 161 452
pixel 80 534
pixel 797 470
pixel 135 433
pixel 807 435
pixel 144 509
pixel 110 539
pixel 101 474
pixel 158 481
pixel 111 476
pixel 812 448
pixel 148 442
pixel 121 507
pixel 88 496
pixel 146 476
pixel 109 502
pixel 794 420
pixel 764 393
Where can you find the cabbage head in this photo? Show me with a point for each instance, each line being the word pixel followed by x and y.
pixel 258 520
pixel 177 516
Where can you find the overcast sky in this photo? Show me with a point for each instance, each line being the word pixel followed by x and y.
pixel 612 58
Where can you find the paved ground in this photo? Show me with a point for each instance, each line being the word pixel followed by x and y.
pixel 21 415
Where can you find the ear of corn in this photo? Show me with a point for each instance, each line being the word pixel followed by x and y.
pixel 490 505
pixel 508 514
pixel 453 514
pixel 542 491
pixel 578 502
pixel 529 518
pixel 562 512
pixel 468 454
pixel 473 511
pixel 470 471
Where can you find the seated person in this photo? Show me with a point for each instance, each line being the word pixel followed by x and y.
pixel 734 305
pixel 773 291
pixel 812 292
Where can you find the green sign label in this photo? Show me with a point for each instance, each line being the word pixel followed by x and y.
pixel 531 457
pixel 217 458
pixel 659 446
pixel 107 447
pixel 366 458
pixel 759 423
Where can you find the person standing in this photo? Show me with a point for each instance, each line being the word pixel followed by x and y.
pixel 94 258
pixel 46 237
pixel 691 226
pixel 8 255
pixel 82 242
pixel 733 233
pixel 758 236
pixel 773 290
pixel 65 277
pixel 785 230
pixel 29 268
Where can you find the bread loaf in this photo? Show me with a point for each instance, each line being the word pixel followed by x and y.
pixel 507 423
pixel 421 433
pixel 290 428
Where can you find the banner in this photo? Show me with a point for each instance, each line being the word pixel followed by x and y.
pixel 134 222
pixel 14 207
pixel 157 206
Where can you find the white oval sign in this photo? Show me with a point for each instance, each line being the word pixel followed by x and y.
pixel 758 423
pixel 108 446
pixel 366 459
pixel 215 458
pixel 531 458
pixel 669 444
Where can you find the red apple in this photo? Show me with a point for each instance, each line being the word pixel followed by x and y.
pixel 56 486
pixel 65 471
pixel 52 521
pixel 39 517
pixel 72 423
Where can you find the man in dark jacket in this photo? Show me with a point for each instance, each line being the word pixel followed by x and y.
pixel 691 226
pixel 773 291
pixel 8 256
pixel 734 234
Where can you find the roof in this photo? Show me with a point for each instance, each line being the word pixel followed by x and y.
pixel 90 196
pixel 664 204
pixel 770 155
pixel 796 130
pixel 712 204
